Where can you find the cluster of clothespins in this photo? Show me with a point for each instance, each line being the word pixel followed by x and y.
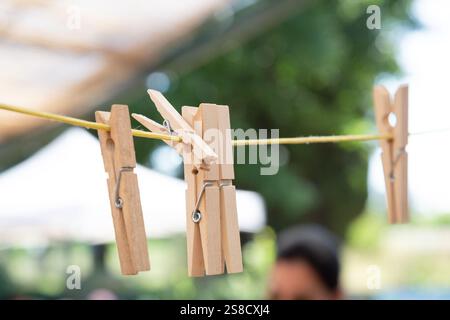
pixel 212 234
pixel 212 225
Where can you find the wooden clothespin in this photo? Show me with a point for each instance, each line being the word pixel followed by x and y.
pixel 212 225
pixel 203 154
pixel 394 155
pixel 119 161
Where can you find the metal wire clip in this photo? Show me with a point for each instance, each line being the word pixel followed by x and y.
pixel 196 214
pixel 118 202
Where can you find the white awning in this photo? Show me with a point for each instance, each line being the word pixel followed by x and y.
pixel 60 193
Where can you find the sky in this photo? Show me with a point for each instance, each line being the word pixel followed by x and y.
pixel 424 56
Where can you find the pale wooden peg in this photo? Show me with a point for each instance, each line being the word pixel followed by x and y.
pixel 401 160
pixel 203 257
pixel 231 242
pixel 201 150
pixel 202 193
pixel 119 160
pixel 394 156
pixel 157 128
pixel 205 125
pixel 196 266
pixel 212 227
pixel 217 233
pixel 382 106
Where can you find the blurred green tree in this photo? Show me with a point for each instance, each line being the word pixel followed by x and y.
pixel 311 74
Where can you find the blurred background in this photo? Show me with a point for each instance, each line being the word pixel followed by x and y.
pixel 305 67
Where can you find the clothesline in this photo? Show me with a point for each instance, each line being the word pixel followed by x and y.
pixel 84 123
pixel 159 136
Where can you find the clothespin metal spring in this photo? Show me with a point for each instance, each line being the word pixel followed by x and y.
pixel 118 202
pixel 167 125
pixel 196 214
pixel 394 163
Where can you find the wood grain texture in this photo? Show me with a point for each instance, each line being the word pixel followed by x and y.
pixel 120 133
pixel 196 266
pixel 206 126
pixel 231 241
pixel 226 148
pixel 118 151
pixel 400 142
pixel 134 221
pixel 209 207
pixel 201 150
pixel 210 231
pixel 214 241
pixel 154 126
pixel 394 156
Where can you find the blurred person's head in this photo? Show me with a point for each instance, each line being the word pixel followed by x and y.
pixel 307 265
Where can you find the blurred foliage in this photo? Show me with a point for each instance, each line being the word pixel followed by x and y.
pixel 410 268
pixel 366 231
pixel 41 273
pixel 312 74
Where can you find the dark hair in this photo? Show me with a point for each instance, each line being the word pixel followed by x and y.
pixel 316 246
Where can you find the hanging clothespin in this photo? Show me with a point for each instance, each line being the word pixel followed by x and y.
pixel 212 226
pixel 119 161
pixel 203 154
pixel 394 155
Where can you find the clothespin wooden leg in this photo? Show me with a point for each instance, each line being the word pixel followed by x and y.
pixel 119 161
pixel 401 156
pixel 219 230
pixel 203 236
pixel 231 242
pixel 382 103
pixel 394 156
pixel 196 266
pixel 210 231
pixel 203 194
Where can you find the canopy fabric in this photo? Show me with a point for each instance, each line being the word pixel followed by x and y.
pixel 60 193
pixel 66 56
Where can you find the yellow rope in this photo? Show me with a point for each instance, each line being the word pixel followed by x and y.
pixel 312 139
pixel 151 135
pixel 86 124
